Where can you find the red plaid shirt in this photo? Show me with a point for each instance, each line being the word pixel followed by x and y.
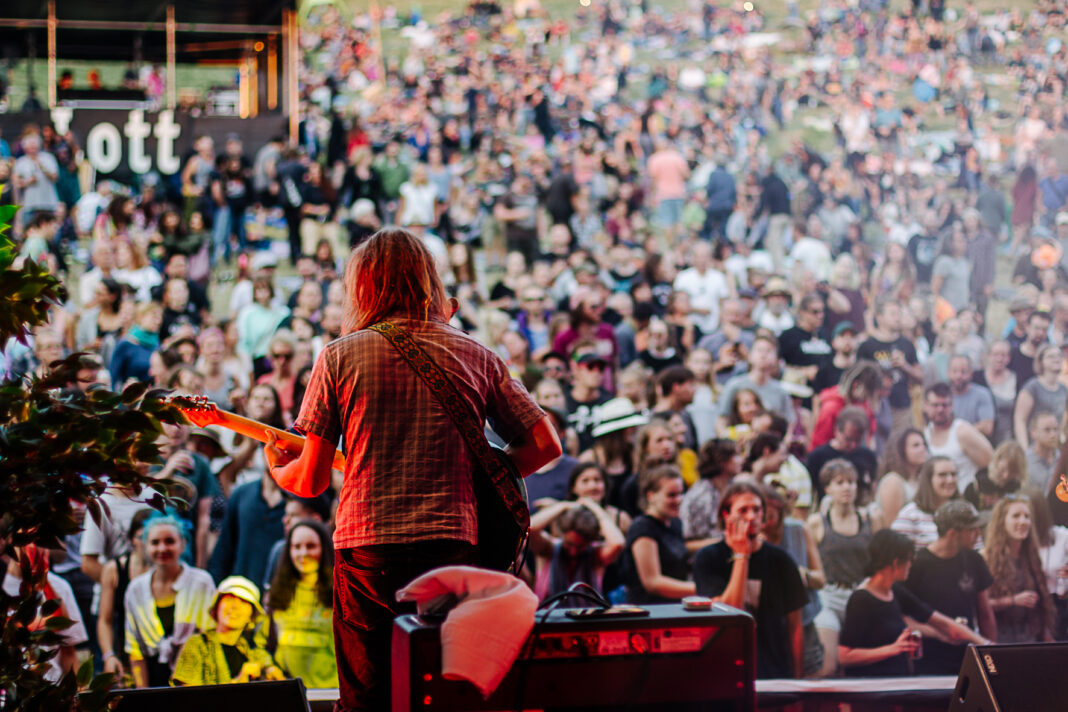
pixel 408 471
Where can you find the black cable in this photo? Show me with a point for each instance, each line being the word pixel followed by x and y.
pixel 580 589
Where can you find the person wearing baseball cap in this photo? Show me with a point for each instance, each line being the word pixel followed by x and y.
pixel 938 578
pixel 223 654
pixel 586 394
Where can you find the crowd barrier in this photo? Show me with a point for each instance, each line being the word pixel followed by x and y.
pixel 917 694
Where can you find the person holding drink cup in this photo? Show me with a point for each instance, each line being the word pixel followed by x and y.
pixel 879 637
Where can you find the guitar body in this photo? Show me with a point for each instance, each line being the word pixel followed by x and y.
pixel 503 515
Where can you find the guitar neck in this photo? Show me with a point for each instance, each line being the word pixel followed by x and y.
pixel 287 442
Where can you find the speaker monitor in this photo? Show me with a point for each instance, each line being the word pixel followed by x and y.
pixel 277 696
pixel 1013 678
pixel 668 660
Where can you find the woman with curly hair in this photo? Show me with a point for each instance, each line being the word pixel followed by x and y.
pixel 300 606
pixel 904 456
pixel 1021 600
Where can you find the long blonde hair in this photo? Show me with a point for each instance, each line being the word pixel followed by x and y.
pixel 392 274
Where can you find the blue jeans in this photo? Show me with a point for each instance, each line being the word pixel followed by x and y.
pixel 220 233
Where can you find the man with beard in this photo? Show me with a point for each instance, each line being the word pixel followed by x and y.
pixel 744 571
pixel 972 402
pixel 953 437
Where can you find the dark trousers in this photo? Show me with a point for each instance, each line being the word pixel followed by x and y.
pixel 366 581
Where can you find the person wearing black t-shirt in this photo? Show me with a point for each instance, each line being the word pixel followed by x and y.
pixel 850 432
pixel 585 396
pixel 896 354
pixel 844 348
pixel 745 572
pixel 1022 358
pixel 882 614
pixel 951 577
pixel 655 568
pixel 801 346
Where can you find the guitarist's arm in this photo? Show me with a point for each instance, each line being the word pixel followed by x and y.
pixel 535 448
pixel 307 475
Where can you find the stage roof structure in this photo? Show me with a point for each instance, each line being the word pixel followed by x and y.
pixel 258 35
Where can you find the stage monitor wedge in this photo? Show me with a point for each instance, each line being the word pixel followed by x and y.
pixel 1013 678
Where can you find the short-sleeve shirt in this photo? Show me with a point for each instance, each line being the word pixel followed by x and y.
pixel 1046 400
pixel 880 351
pixel 42 194
pixel 871 622
pixel 956 273
pixel 407 469
pixel 976 404
pixel 773 591
pixel 671 548
pixel 951 587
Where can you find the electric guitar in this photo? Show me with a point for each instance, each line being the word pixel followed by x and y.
pixel 201 412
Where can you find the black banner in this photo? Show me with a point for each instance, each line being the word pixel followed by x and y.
pixel 121 144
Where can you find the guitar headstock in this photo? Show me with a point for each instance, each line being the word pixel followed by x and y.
pixel 198 410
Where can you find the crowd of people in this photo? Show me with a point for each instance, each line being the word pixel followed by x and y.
pixel 825 384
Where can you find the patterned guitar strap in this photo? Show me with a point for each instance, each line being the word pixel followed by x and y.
pixel 470 428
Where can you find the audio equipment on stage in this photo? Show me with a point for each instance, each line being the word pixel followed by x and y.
pixel 1012 678
pixel 669 659
pixel 280 696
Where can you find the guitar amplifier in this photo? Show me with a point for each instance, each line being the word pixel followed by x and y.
pixel 670 659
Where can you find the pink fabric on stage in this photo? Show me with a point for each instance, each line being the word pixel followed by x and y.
pixel 483 634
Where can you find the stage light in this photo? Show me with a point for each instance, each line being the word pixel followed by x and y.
pixel 747 6
pixel 585 3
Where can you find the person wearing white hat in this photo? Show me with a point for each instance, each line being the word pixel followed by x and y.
pixel 222 653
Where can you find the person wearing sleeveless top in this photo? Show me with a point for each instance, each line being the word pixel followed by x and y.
pixel 842 534
pixel 902 459
pixel 952 437
pixel 115 578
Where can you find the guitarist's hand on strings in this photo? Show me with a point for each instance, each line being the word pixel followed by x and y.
pixel 274 456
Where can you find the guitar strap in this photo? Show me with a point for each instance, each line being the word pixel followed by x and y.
pixel 467 423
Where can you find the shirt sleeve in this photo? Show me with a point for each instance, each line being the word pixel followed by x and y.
pixel 319 414
pixel 912 606
pixel 985 405
pixel 75 634
pixel 854 627
pixel 509 407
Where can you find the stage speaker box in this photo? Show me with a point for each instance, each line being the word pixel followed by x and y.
pixel 670 659
pixel 274 695
pixel 1013 678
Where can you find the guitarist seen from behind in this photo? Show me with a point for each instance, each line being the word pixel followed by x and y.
pixel 407 503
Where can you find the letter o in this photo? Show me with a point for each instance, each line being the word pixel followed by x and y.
pixel 103 147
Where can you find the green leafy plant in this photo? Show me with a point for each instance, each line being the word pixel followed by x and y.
pixel 60 448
